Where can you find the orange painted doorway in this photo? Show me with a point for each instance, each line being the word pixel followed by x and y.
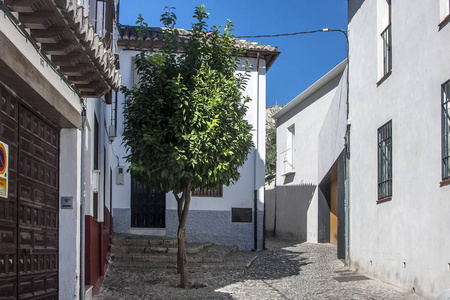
pixel 334 213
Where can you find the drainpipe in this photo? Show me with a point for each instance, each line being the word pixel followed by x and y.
pixel 256 157
pixel 347 152
pixel 347 162
pixel 347 196
pixel 255 205
pixel 275 209
pixel 82 203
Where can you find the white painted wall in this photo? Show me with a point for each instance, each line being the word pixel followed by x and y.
pixel 98 107
pixel 240 194
pixel 297 196
pixel 69 219
pixel 412 228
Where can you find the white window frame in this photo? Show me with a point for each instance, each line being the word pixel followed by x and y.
pixel 288 155
pixel 384 56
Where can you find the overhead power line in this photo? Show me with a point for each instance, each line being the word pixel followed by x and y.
pixel 289 34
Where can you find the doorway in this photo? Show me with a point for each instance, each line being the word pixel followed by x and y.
pixel 148 208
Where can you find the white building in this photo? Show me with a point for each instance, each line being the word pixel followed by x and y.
pixel 52 61
pixel 398 159
pixel 226 216
pixel 399 111
pixel 310 176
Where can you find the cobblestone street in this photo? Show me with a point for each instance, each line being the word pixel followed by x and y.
pixel 286 270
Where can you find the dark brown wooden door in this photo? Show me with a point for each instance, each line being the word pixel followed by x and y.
pixel 148 209
pixel 9 134
pixel 29 216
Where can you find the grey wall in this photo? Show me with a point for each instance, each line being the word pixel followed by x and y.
pixel 269 200
pixel 121 220
pixel 292 204
pixel 216 227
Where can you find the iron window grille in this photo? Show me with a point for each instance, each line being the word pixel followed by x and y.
pixel 446 130
pixel 385 160
pixel 387 49
pixel 208 192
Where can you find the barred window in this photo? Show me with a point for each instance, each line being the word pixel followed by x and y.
pixel 208 192
pixel 446 130
pixel 385 161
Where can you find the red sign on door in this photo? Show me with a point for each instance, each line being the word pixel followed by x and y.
pixel 3 170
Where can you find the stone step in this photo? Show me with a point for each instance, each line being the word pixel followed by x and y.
pixel 157 249
pixel 140 257
pixel 147 252
pixel 208 254
pixel 193 267
pixel 141 240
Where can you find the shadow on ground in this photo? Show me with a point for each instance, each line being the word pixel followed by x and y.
pixel 280 260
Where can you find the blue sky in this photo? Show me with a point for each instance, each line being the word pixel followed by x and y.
pixel 303 59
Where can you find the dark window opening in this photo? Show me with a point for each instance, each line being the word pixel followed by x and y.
pixel 385 160
pixel 208 192
pixel 96 164
pixel 446 130
pixel 241 215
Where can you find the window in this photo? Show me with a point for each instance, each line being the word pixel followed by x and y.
pixel 444 6
pixel 291 143
pixel 384 29
pixel 385 161
pixel 387 49
pixel 100 17
pixel 134 74
pixel 208 192
pixel 446 130
pixel 287 156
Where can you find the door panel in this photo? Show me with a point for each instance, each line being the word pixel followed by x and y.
pixel 29 216
pixel 148 209
pixel 9 134
pixel 38 207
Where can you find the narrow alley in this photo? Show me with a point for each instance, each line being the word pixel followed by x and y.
pixel 286 270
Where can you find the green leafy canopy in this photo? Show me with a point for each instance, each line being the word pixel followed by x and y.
pixel 184 120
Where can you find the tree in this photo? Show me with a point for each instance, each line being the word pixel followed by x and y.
pixel 184 120
pixel 271 140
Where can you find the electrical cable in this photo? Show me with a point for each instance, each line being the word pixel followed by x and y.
pixel 290 34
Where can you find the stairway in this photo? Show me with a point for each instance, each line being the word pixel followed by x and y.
pixel 149 252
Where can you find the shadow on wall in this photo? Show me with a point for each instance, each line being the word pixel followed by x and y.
pixel 353 7
pixel 287 209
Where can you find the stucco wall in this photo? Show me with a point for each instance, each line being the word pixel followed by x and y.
pixel 297 199
pixel 69 219
pixel 402 241
pixel 331 136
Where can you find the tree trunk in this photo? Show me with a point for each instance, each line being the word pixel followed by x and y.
pixel 183 209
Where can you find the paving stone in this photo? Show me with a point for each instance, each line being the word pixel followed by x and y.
pixel 287 270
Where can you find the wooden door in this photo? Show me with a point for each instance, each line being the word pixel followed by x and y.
pixel 29 250
pixel 334 213
pixel 9 134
